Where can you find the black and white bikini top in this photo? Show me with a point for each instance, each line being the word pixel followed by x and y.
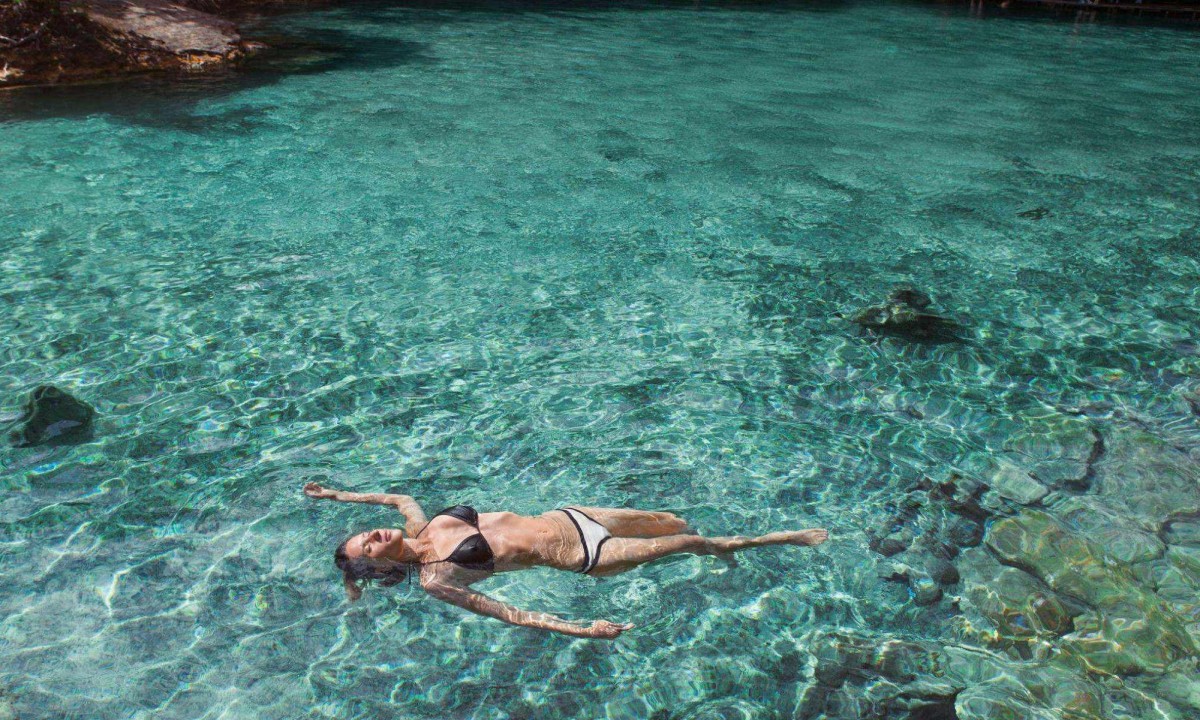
pixel 474 552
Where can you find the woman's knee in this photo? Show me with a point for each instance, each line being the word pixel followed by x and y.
pixel 672 524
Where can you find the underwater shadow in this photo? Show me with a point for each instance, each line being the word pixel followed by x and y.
pixel 170 99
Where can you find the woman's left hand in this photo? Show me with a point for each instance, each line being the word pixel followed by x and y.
pixel 314 490
pixel 605 630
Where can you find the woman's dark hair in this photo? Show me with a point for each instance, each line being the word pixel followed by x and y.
pixel 364 569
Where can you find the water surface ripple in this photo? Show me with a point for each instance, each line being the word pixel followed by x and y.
pixel 523 257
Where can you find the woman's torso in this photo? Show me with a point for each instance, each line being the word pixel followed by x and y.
pixel 515 541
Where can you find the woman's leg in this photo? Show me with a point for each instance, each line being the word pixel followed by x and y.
pixel 620 554
pixel 636 523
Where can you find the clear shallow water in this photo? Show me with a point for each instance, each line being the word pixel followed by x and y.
pixel 524 257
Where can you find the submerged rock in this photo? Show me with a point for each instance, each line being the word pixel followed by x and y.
pixel 904 315
pixel 1037 543
pixel 960 494
pixel 855 676
pixel 890 545
pixel 1177 579
pixel 910 296
pixel 1182 532
pixel 1082 603
pixel 942 571
pixel 1013 483
pixel 1119 535
pixel 1036 213
pixel 1058 450
pixel 1131 629
pixel 7 712
pixel 1002 699
pixel 965 532
pixel 1144 477
pixel 52 416
pixel 1193 402
pixel 924 589
pixel 1182 689
pixel 1128 644
pixel 1016 604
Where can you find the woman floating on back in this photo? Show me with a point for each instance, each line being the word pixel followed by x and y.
pixel 459 547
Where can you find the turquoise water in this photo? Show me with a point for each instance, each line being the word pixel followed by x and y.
pixel 527 256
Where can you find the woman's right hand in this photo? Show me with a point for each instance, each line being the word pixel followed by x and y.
pixel 314 490
pixel 605 630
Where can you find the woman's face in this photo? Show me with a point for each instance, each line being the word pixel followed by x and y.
pixel 379 544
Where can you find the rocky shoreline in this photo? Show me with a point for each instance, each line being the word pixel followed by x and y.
pixel 47 41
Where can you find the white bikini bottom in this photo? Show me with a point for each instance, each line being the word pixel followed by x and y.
pixel 591 533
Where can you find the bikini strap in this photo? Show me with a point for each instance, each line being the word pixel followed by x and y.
pixel 466 513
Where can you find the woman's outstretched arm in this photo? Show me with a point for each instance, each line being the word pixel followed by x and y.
pixel 484 605
pixel 412 511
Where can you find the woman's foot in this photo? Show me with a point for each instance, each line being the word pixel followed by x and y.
pixel 723 547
